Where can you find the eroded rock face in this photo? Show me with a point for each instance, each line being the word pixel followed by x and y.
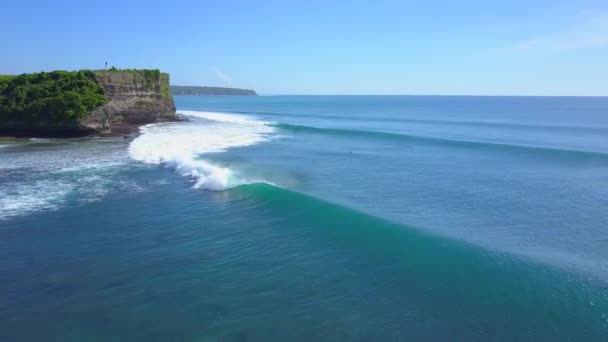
pixel 135 98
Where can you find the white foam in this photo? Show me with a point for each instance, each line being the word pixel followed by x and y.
pixel 239 119
pixel 39 195
pixel 40 140
pixel 21 197
pixel 42 178
pixel 179 145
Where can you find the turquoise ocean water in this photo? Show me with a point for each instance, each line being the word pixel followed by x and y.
pixel 329 218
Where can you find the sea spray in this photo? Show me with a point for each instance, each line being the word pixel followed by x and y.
pixel 179 145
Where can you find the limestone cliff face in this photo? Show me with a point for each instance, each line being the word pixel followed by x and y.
pixel 135 98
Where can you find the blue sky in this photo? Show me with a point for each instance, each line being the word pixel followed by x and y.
pixel 323 47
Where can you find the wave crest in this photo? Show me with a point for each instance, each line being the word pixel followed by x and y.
pixel 179 145
pixel 475 144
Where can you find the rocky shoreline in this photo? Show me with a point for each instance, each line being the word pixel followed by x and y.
pixel 68 132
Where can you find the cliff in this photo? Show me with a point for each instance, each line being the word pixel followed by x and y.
pixel 79 103
pixel 198 91
pixel 135 97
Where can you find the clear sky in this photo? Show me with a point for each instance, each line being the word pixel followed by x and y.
pixel 510 47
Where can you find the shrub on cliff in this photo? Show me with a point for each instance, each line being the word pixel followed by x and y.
pixel 58 96
pixel 151 78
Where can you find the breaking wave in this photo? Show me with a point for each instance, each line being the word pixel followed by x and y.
pixel 180 145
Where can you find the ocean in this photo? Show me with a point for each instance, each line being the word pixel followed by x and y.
pixel 314 218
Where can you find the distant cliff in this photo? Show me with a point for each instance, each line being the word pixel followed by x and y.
pixel 196 91
pixel 79 103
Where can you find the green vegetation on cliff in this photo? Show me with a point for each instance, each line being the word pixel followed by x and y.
pixel 193 90
pixel 70 96
pixel 58 96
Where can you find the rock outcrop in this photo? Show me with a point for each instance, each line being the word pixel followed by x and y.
pixel 82 103
pixel 135 98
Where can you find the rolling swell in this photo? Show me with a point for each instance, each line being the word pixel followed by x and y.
pixel 478 145
pixel 482 124
pixel 448 278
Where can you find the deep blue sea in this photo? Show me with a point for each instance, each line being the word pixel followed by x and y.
pixel 314 218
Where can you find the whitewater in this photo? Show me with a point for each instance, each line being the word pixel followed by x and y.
pixel 180 145
pixel 80 171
